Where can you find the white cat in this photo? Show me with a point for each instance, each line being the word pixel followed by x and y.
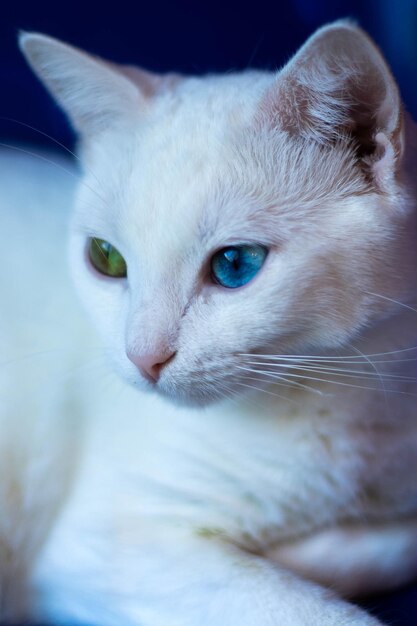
pixel 245 246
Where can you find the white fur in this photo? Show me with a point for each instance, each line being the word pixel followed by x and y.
pixel 194 512
pixel 39 427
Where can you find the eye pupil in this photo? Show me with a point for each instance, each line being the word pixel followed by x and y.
pixel 106 259
pixel 235 266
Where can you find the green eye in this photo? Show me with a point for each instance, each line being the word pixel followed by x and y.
pixel 106 259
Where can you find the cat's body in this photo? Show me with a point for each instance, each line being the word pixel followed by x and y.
pixel 198 515
pixel 39 426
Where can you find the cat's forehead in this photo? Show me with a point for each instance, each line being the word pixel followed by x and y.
pixel 198 169
pixel 214 98
pixel 161 163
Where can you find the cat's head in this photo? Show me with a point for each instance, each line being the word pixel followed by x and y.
pixel 225 216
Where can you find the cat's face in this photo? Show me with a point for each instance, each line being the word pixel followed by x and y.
pixel 207 182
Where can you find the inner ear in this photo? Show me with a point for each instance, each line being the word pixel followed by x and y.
pixel 362 114
pixel 148 83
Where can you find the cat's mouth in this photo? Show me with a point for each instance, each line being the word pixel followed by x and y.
pixel 192 393
pixel 200 386
pixel 209 383
pixel 192 381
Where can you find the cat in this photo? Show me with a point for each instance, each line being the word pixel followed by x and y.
pixel 245 247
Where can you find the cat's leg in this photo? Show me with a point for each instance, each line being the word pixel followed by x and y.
pixel 186 581
pixel 355 560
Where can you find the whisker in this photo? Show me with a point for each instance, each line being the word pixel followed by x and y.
pixel 405 306
pixel 338 371
pixel 318 358
pixel 266 391
pixel 229 393
pixel 276 380
pixel 40 132
pixel 375 368
pixel 40 353
pixel 282 378
pixel 39 156
pixel 58 143
pixel 58 165
pixel 338 382
pixel 238 398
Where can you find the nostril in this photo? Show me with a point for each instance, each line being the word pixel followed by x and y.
pixel 151 364
pixel 156 368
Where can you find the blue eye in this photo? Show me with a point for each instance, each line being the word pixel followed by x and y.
pixel 236 265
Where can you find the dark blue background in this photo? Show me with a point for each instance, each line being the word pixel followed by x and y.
pixel 192 36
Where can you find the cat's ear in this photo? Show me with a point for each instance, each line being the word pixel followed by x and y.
pixel 95 94
pixel 337 86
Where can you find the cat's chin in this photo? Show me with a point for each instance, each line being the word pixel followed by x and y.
pixel 179 393
pixel 182 390
pixel 189 398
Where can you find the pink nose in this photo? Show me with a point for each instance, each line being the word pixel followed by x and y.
pixel 151 365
